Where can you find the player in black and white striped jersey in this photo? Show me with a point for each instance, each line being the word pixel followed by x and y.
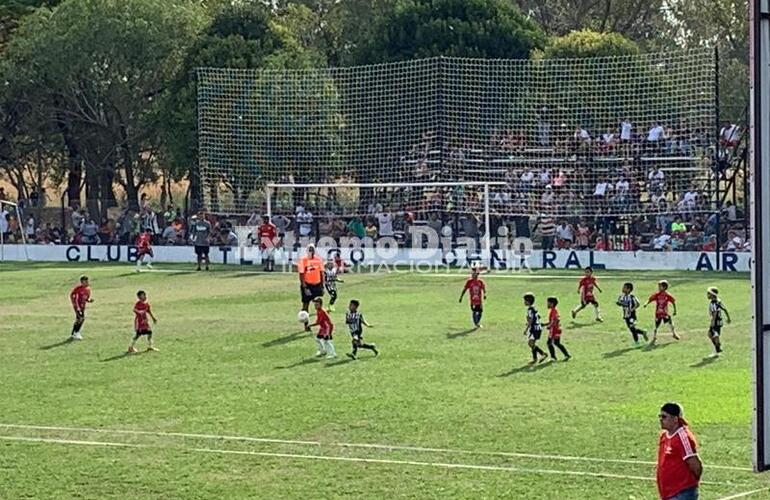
pixel 534 329
pixel 628 301
pixel 330 282
pixel 715 328
pixel 356 322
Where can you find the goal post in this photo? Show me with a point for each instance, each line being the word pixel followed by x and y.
pixel 419 199
pixel 760 215
pixel 20 218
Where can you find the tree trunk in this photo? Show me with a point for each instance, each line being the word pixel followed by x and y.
pixel 195 190
pixel 107 186
pixel 92 192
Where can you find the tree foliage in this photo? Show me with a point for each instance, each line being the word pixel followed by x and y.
pixel 462 28
pixel 587 43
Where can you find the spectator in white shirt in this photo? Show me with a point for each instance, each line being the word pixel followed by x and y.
pixel 527 179
pixel 385 223
pixel 304 221
pixel 656 179
pixel 662 242
pixel 625 130
pixel 655 138
pixel 548 197
pixel 734 242
pixel 729 135
pixel 565 235
pixel 608 141
pixel 4 226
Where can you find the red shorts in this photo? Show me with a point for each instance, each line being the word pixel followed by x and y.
pixel 588 299
pixel 144 251
pixel 556 334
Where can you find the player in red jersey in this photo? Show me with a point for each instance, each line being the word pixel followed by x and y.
pixel 662 299
pixel 267 234
pixel 477 291
pixel 144 249
pixel 586 290
pixel 80 296
pixel 554 329
pixel 325 328
pixel 142 312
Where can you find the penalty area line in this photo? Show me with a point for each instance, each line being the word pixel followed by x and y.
pixel 376 446
pixel 380 461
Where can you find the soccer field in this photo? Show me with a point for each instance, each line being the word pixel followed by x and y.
pixel 235 405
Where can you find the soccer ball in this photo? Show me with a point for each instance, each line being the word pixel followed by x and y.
pixel 303 316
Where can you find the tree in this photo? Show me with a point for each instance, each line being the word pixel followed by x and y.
pixel 464 28
pixel 242 36
pixel 639 20
pixel 587 43
pixel 95 69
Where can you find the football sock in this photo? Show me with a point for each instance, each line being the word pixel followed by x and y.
pixel 330 348
pixel 557 343
pixel 367 346
pixel 551 349
pixel 76 327
pixel 320 345
pixel 596 311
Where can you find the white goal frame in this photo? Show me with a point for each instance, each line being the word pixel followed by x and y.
pixel 487 241
pixel 20 216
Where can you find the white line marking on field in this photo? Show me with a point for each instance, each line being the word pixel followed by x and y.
pixel 69 441
pixel 521 470
pixel 427 464
pixel 354 445
pixel 745 494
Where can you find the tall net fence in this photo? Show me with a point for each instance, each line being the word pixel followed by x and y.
pixel 579 137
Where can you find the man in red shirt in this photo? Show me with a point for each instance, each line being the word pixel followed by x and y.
pixel 662 299
pixel 325 328
pixel 144 249
pixel 477 291
pixel 554 329
pixel 80 296
pixel 267 234
pixel 142 312
pixel 679 467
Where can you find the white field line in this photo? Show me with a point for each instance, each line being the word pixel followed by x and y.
pixel 381 461
pixel 569 458
pixel 745 494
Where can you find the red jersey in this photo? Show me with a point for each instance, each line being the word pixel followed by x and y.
pixel 673 474
pixel 141 319
pixel 325 326
pixel 267 234
pixel 586 285
pixel 476 289
pixel 79 297
pixel 143 241
pixel 554 326
pixel 662 300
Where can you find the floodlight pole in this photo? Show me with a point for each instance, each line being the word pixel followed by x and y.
pixel 759 123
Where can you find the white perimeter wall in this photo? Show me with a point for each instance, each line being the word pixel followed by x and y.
pixel 536 259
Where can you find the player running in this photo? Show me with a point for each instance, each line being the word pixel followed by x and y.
pixel 325 328
pixel 554 329
pixel 662 299
pixel 200 235
pixel 356 322
pixel 267 234
pixel 142 311
pixel 330 283
pixel 80 296
pixel 586 287
pixel 628 301
pixel 533 330
pixel 477 293
pixel 715 327
pixel 144 249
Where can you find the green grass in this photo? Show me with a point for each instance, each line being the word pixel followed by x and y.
pixel 233 363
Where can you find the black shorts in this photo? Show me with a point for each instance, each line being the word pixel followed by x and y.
pixel 357 336
pixel 321 336
pixel 715 331
pixel 479 308
pixel 630 321
pixel 587 302
pixel 665 319
pixel 202 250
pixel 139 333
pixel 315 291
pixel 534 335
